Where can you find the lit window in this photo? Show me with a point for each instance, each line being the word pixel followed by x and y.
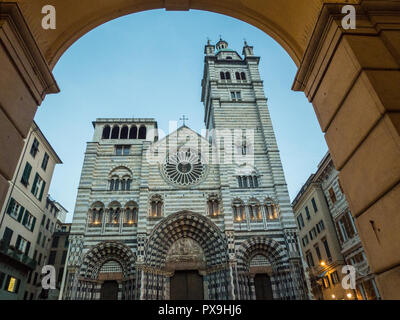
pixel 12 284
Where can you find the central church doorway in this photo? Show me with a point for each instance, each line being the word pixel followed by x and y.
pixel 263 286
pixel 186 285
pixel 109 290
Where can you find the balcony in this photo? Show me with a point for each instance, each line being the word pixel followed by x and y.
pixel 16 255
pixel 362 269
pixel 350 243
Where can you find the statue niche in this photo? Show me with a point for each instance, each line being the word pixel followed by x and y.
pixel 185 254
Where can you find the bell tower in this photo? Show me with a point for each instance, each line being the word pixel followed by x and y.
pixel 234 100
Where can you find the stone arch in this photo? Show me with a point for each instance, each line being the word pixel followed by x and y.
pixel 104 252
pixel 120 171
pixel 274 19
pixel 267 247
pixel 186 224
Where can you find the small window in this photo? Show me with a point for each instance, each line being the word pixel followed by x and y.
pixel 328 252
pixel 133 132
pixel 222 75
pixel 124 132
pixel 237 75
pixel 54 243
pixel 12 284
pixel 26 174
pixel 227 75
pixel 332 195
pixel 142 132
pixel 122 150
pixel 236 95
pixel 243 76
pixel 115 132
pixel 38 187
pixel 307 213
pixel 45 161
pixel 34 148
pixel 106 132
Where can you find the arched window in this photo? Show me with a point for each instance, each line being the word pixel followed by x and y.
pixel 114 212
pixel 240 182
pixel 124 132
pixel 255 210
pixel 243 76
pixel 255 181
pixel 96 214
pixel 106 132
pixel 251 182
pixel 228 75
pixel 142 132
pixel 237 75
pixel 222 75
pixel 120 179
pixel 239 212
pixel 245 185
pixel 213 206
pixel 133 132
pixel 131 210
pixel 271 210
pixel 115 132
pixel 156 207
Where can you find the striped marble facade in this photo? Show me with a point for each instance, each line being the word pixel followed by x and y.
pixel 231 223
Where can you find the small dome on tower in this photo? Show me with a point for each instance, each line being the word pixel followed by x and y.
pixel 221 44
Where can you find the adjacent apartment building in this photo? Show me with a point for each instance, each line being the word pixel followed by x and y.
pixel 51 217
pixel 329 238
pixel 58 255
pixel 22 213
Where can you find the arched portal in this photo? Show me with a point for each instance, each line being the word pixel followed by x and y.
pixel 265 272
pixel 107 271
pixel 336 68
pixel 191 242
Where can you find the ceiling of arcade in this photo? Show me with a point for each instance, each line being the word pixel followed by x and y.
pixel 290 22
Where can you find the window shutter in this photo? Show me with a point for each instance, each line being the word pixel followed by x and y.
pixel 27 173
pixel 18 241
pixel 21 213
pixel 25 217
pixel 34 183
pixel 7 282
pixel 28 246
pixel 33 223
pixel 17 285
pixel 41 191
pixel 10 205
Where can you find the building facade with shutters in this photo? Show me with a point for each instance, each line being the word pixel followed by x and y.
pixel 188 216
pixel 22 213
pixel 52 216
pixel 346 231
pixel 329 237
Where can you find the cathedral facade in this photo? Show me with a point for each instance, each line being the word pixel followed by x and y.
pixel 188 216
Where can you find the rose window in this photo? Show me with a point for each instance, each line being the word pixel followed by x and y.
pixel 185 167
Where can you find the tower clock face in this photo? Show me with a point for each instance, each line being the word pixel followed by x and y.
pixel 184 167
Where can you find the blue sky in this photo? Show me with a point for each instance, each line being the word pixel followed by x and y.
pixel 150 64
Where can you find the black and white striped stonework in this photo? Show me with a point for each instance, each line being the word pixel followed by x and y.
pixel 136 226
